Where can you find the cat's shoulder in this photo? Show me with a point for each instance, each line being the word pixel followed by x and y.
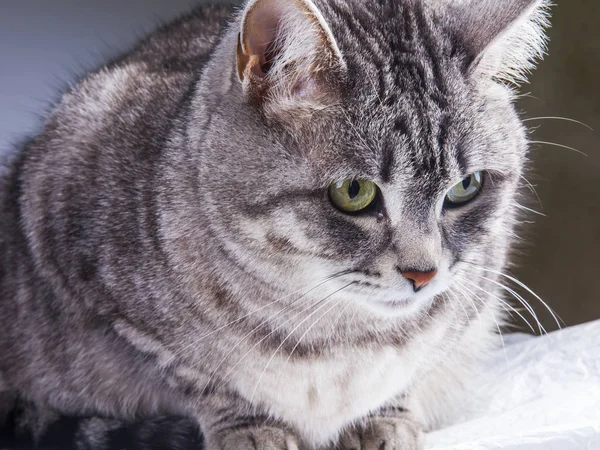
pixel 183 44
pixel 133 97
pixel 149 78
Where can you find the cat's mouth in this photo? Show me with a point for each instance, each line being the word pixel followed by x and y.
pixel 390 303
pixel 394 301
pixel 394 297
pixel 394 307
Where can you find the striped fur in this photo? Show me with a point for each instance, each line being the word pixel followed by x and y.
pixel 170 260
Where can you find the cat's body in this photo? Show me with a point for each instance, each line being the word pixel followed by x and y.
pixel 169 249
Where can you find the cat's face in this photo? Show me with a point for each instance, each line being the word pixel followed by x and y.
pixel 400 179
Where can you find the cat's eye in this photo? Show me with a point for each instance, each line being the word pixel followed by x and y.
pixel 353 196
pixel 466 190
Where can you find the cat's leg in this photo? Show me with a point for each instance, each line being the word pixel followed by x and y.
pixel 258 437
pixel 250 433
pixel 390 429
pixel 229 422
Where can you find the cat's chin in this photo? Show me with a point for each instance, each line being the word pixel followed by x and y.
pixel 395 307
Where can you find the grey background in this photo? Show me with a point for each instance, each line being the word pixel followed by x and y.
pixel 45 44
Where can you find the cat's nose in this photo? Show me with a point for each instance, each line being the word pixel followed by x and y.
pixel 419 279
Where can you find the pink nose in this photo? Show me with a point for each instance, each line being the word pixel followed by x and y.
pixel 419 279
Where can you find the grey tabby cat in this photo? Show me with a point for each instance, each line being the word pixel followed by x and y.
pixel 285 228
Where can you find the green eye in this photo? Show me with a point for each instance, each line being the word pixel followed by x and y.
pixel 352 196
pixel 466 190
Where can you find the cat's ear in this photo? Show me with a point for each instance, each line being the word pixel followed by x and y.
pixel 287 56
pixel 503 38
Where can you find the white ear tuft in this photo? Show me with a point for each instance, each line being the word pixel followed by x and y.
pixel 514 53
pixel 504 38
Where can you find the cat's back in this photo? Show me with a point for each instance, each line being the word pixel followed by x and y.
pixel 128 98
pixel 97 147
pixel 183 44
pixel 145 82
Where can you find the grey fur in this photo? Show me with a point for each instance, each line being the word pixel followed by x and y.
pixel 156 236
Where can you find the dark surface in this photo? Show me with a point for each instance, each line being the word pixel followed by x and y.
pixel 561 256
pixel 157 434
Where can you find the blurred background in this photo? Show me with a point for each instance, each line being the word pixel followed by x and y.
pixel 561 253
pixel 45 44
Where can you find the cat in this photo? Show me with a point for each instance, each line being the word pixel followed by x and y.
pixel 283 224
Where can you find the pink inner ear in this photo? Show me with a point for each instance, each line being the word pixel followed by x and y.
pixel 283 54
pixel 260 32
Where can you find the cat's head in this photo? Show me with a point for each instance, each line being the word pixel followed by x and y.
pixel 371 139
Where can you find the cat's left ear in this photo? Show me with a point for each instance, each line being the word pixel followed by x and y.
pixel 503 38
pixel 287 57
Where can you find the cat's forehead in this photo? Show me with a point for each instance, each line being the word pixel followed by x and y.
pixel 398 56
pixel 410 113
pixel 405 93
pixel 392 37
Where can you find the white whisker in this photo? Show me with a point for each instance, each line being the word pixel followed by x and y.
pixel 505 304
pixel 473 305
pixel 554 144
pixel 515 236
pixel 446 295
pixel 337 320
pixel 532 189
pixel 197 340
pixel 525 208
pixel 263 323
pixel 460 287
pixel 521 284
pixel 566 119
pixel 324 303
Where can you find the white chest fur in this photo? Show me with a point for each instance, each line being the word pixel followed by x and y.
pixel 321 396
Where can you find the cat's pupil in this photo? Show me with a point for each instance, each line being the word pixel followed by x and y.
pixel 354 189
pixel 466 183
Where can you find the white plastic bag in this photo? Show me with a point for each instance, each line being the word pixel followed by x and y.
pixel 539 394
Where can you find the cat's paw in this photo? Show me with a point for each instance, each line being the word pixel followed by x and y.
pixel 383 433
pixel 255 438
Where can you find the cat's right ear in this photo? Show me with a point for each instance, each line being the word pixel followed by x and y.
pixel 287 57
pixel 502 38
